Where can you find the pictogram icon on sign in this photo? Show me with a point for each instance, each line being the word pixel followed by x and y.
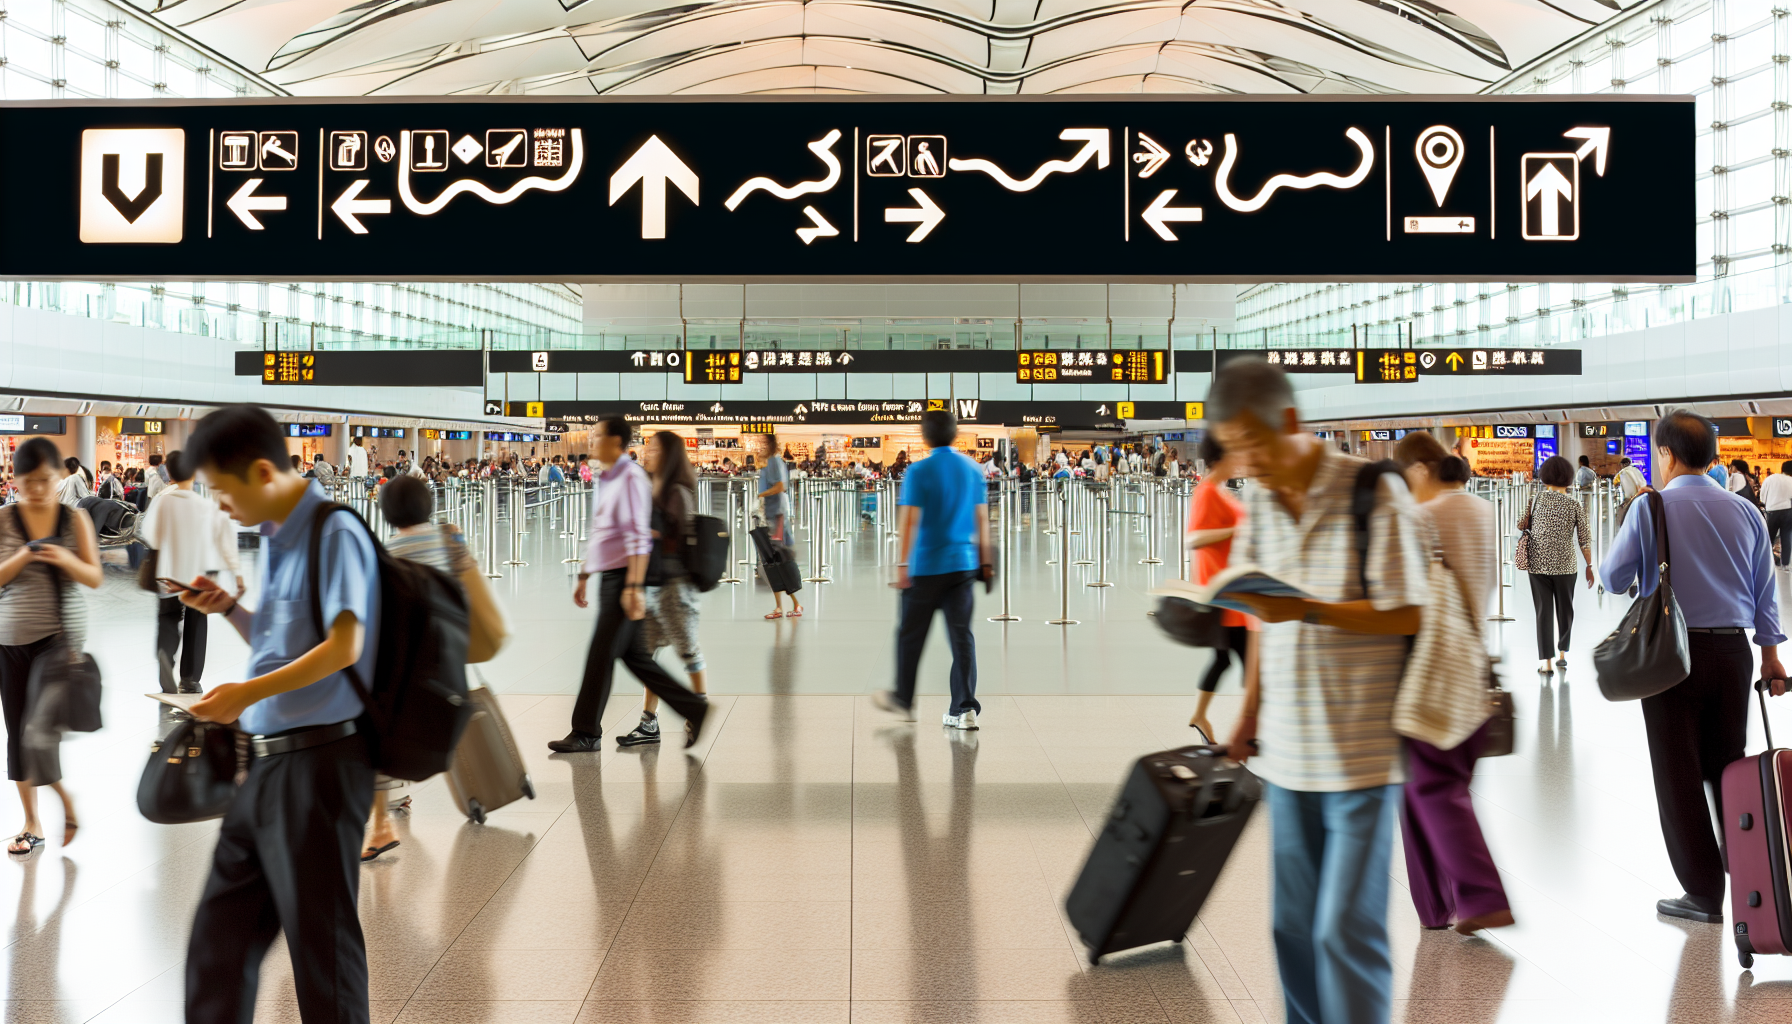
pixel 1152 156
pixel 506 147
pixel 1095 145
pixel 1551 197
pixel 384 149
pixel 1222 180
pixel 348 151
pixel 132 184
pixel 1198 151
pixel 884 157
pixel 494 408
pixel 429 151
pixel 1125 410
pixel 533 410
pixel 819 227
pixel 279 151
pixel 236 151
pixel 468 149
pixel 538 361
pixel 1439 150
pixel 926 156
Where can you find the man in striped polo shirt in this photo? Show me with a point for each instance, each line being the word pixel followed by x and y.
pixel 1319 690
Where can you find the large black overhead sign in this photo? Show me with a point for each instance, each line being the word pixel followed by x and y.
pixel 856 412
pixel 416 368
pixel 1143 188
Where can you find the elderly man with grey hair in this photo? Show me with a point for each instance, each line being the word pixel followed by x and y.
pixel 1319 688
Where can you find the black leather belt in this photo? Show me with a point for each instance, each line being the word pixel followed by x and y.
pixel 299 739
pixel 1715 629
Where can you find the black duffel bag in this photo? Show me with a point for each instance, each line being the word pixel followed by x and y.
pixel 1647 654
pixel 1190 623
pixel 191 774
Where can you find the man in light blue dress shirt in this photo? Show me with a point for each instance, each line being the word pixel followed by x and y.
pixel 1721 564
pixel 288 855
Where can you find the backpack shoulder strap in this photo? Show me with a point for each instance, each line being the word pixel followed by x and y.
pixel 1362 509
pixel 313 577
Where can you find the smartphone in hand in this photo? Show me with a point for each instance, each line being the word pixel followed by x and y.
pixel 174 585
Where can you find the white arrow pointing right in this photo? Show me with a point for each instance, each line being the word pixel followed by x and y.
pixel 1160 212
pixel 347 207
pixel 245 202
pixel 820 229
pixel 1598 141
pixel 927 215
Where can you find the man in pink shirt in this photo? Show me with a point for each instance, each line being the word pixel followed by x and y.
pixel 621 541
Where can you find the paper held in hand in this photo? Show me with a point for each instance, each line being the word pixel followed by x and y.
pixel 1220 591
pixel 182 701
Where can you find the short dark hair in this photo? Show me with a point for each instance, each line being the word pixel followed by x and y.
pixel 235 437
pixel 1583 460
pixel 1739 465
pixel 180 468
pixel 1555 472
pixel 616 426
pixel 155 459
pixel 1625 461
pixel 72 464
pixel 33 455
pixel 938 428
pixel 407 501
pixel 1690 437
pixel 1786 467
pixel 1453 470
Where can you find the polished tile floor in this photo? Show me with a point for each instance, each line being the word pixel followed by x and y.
pixel 811 860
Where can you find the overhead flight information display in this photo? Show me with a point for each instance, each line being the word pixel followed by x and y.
pixel 1144 188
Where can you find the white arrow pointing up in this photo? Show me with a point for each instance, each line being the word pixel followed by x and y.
pixel 1555 190
pixel 1599 140
pixel 1160 212
pixel 653 165
pixel 347 207
pixel 245 202
pixel 821 229
pixel 926 215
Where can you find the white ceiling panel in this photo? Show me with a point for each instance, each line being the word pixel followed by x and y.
pixel 568 47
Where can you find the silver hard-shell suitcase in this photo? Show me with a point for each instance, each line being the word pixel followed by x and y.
pixel 488 771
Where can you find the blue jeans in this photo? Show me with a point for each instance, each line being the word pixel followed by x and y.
pixel 1331 853
pixel 953 593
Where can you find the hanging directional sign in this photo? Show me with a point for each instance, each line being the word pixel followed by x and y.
pixel 726 366
pixel 1151 188
pixel 866 411
pixel 1500 362
pixel 455 368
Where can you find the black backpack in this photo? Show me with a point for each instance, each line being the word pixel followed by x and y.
pixel 1362 506
pixel 417 706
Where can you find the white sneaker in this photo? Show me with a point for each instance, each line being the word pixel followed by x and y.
pixel 885 700
pixel 966 721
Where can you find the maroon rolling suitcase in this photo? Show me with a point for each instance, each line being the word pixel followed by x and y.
pixel 1757 804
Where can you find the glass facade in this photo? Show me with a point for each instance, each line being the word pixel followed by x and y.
pixel 1732 56
pixel 72 49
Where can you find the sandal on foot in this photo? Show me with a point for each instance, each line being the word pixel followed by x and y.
pixel 774 615
pixel 69 828
pixel 374 851
pixel 31 843
pixel 795 614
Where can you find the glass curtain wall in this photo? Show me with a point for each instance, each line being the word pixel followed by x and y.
pixel 1732 56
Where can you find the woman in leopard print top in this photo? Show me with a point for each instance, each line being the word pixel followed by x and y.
pixel 1556 521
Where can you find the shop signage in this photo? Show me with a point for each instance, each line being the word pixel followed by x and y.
pixel 1378 435
pixel 451 368
pixel 32 424
pixel 431 434
pixel 1731 426
pixel 309 429
pixel 1389 188
pixel 138 427
pixel 1510 431
pixel 1782 426
pixel 361 430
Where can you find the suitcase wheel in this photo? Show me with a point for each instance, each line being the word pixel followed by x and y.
pixel 475 810
pixel 527 787
pixel 1746 958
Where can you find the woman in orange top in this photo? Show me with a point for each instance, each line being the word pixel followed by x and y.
pixel 1213 517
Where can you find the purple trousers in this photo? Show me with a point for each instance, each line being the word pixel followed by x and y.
pixel 1448 868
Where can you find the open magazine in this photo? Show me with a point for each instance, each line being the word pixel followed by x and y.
pixel 1234 579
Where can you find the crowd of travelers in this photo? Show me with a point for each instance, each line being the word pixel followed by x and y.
pixel 1320 673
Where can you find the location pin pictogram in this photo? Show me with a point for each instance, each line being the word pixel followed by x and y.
pixel 1440 154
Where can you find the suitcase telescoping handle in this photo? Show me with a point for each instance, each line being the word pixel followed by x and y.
pixel 1766 727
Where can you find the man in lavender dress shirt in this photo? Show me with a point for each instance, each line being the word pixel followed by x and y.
pixel 621 540
pixel 1722 574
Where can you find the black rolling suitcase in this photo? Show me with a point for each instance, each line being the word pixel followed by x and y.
pixel 1170 832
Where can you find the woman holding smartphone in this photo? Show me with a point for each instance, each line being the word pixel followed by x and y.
pixel 43 545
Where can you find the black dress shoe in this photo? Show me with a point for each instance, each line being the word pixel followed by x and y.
pixel 1692 908
pixel 190 688
pixel 576 742
pixel 693 727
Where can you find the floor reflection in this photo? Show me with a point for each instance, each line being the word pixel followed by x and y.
pixel 35 955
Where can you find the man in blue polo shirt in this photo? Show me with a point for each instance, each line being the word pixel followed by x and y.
pixel 944 549
pixel 288 854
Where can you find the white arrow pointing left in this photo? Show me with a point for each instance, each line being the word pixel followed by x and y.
pixel 246 202
pixel 348 208
pixel 653 165
pixel 926 216
pixel 1160 212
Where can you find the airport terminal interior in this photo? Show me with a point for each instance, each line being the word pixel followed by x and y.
pixel 466 244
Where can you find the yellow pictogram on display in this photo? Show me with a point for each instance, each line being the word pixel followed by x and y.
pixel 1194 410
